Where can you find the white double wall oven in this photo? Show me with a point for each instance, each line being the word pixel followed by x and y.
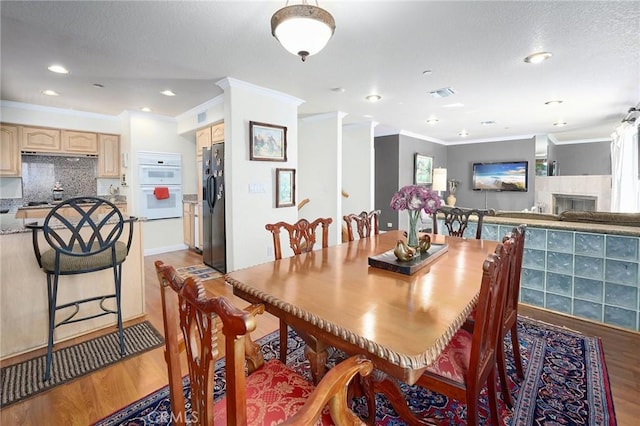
pixel 160 178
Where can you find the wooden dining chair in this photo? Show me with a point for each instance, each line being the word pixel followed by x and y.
pixel 469 359
pixel 365 224
pixel 270 394
pixel 510 313
pixel 456 220
pixel 302 238
pixel 510 321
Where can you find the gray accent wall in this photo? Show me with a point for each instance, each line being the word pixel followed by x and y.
pixel 460 159
pixel 593 158
pixel 394 161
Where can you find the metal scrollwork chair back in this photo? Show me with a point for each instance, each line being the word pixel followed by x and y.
pixel 83 235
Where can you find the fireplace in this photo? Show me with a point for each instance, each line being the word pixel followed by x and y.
pixel 563 202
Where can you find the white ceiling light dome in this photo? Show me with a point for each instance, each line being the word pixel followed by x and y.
pixel 303 29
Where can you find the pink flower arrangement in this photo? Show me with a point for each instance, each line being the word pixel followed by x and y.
pixel 416 198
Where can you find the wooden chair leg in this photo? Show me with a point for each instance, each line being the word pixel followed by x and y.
pixel 284 339
pixel 493 402
pixel 502 374
pixel 517 357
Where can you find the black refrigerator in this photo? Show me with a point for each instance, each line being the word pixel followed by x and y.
pixel 213 194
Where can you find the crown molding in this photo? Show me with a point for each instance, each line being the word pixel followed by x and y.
pixel 62 111
pixel 230 82
pixel 211 103
pixel 339 115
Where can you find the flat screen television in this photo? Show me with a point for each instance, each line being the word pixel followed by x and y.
pixel 501 176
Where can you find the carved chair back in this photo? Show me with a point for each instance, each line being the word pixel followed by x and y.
pixel 202 320
pixel 302 235
pixel 365 224
pixel 456 220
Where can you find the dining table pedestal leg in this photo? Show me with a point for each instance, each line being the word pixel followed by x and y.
pixel 317 361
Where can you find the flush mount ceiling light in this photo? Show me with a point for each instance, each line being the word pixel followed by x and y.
pixel 463 133
pixel 432 120
pixel 373 98
pixel 98 85
pixel 560 123
pixel 58 69
pixel 50 92
pixel 168 93
pixel 556 102
pixel 536 58
pixel 145 109
pixel 302 29
pixel 487 123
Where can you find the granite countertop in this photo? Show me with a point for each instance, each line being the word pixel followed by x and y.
pixel 599 228
pixel 19 226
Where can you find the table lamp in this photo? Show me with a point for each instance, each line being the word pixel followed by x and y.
pixel 439 180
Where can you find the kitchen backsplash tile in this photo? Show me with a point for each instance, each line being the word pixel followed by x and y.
pixel 77 175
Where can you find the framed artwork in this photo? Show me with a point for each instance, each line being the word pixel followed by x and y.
pixel 423 170
pixel 268 142
pixel 285 187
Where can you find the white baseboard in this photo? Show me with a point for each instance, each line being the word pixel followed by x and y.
pixel 159 250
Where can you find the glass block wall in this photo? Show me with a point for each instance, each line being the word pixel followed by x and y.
pixel 587 275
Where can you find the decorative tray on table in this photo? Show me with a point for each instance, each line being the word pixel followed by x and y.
pixel 390 262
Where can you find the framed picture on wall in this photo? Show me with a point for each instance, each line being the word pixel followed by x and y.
pixel 423 170
pixel 285 187
pixel 268 142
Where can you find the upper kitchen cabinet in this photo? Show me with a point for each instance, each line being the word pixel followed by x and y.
pixel 10 162
pixel 109 156
pixel 40 139
pixel 79 142
pixel 217 133
pixel 208 136
pixel 203 140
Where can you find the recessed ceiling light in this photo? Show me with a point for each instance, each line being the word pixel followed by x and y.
pixel 487 123
pixel 373 98
pixel 463 133
pixel 58 69
pixel 168 93
pixel 560 123
pixel 145 109
pixel 536 58
pixel 556 102
pixel 368 116
pixel 98 85
pixel 50 92
pixel 339 89
pixel 432 120
pixel 427 72
pixel 442 93
pixel 456 105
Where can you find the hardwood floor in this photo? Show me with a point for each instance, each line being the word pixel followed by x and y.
pixel 92 397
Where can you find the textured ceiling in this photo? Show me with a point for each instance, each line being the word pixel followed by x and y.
pixel 138 48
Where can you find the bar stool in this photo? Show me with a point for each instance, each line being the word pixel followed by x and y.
pixel 83 236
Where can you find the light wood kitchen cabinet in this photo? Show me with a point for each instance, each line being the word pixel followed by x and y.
pixel 217 133
pixel 79 142
pixel 40 139
pixel 188 224
pixel 203 140
pixel 108 156
pixel 10 161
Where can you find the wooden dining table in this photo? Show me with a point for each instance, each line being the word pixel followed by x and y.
pixel 401 322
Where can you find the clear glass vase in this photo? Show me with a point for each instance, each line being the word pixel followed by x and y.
pixel 412 233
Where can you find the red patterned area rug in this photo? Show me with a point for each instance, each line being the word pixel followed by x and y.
pixel 566 383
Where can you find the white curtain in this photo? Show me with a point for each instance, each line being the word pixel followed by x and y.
pixel 625 186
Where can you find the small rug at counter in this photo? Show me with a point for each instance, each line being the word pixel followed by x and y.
pixel 198 272
pixel 566 383
pixel 24 379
